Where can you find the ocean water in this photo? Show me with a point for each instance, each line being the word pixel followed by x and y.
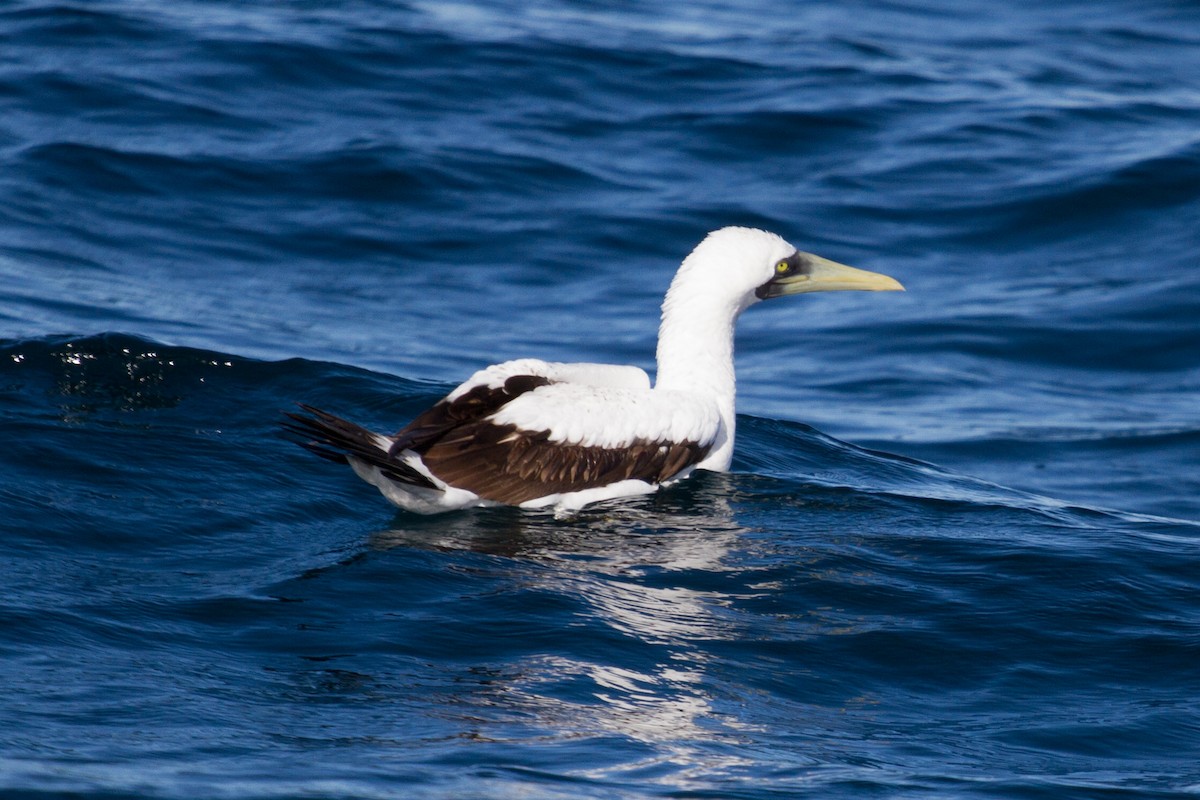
pixel 958 555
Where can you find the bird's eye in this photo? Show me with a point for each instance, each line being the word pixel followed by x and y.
pixel 782 268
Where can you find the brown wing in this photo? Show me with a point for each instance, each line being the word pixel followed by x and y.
pixel 337 439
pixel 511 466
pixel 473 406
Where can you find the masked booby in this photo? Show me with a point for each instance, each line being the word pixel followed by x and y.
pixel 533 433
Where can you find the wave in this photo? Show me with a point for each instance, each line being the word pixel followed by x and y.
pixel 166 396
pixel 54 20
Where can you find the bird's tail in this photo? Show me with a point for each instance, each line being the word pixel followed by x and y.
pixel 339 440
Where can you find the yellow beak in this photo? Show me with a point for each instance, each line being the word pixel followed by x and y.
pixel 822 275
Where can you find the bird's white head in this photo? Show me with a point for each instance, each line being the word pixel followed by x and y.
pixel 731 270
pixel 741 266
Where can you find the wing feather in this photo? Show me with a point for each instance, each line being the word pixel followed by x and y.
pixel 528 429
pixel 511 463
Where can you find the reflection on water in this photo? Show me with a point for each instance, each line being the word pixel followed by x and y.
pixel 634 569
pixel 687 527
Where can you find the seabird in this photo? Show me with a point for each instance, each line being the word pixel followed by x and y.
pixel 534 433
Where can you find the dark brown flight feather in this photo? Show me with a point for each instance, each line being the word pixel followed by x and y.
pixel 334 438
pixel 512 466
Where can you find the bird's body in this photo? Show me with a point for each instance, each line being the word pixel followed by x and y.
pixel 534 433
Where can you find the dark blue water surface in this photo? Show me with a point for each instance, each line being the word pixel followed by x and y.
pixel 959 554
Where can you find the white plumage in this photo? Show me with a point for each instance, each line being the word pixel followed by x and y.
pixel 601 416
pixel 535 433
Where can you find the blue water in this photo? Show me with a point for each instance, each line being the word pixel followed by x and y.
pixel 959 554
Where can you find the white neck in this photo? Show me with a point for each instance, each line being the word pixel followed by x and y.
pixel 714 285
pixel 695 355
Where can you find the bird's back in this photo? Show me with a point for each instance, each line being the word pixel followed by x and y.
pixel 525 430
